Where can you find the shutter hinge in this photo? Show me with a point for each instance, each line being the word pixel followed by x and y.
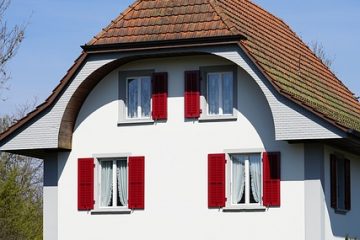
pixel 94 165
pixel 94 201
pixel 200 111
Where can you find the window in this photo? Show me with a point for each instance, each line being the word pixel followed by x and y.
pixel 142 96
pixel 113 183
pixel 138 97
pixel 246 178
pixel 219 92
pixel 340 183
pixel 120 183
pixel 244 181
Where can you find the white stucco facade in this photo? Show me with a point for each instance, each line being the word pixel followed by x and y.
pixel 176 153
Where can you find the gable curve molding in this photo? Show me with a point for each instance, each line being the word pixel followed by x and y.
pixel 53 128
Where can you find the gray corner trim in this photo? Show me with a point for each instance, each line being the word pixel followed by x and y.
pixel 204 70
pixel 123 75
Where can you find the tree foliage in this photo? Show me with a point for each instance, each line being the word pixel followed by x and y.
pixel 20 194
pixel 10 39
pixel 319 50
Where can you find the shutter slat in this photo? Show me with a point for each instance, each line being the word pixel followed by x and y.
pixel 333 181
pixel 159 96
pixel 347 185
pixel 85 184
pixel 271 179
pixel 137 182
pixel 216 180
pixel 192 94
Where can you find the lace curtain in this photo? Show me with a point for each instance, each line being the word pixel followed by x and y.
pixel 106 183
pixel 122 180
pixel 238 175
pixel 255 176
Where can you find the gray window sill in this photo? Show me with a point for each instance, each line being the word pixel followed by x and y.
pixel 207 118
pixel 135 121
pixel 246 208
pixel 341 211
pixel 111 211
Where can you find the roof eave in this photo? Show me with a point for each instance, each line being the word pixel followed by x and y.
pixel 162 43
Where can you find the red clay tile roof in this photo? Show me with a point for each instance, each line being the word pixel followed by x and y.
pixel 288 63
pixel 281 55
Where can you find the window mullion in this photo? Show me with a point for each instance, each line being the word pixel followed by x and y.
pixel 247 182
pixel 114 202
pixel 139 98
pixel 221 111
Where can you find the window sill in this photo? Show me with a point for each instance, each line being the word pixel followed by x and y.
pixel 248 208
pixel 341 211
pixel 111 211
pixel 208 118
pixel 135 121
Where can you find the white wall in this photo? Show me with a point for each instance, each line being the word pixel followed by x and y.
pixel 176 165
pixel 337 226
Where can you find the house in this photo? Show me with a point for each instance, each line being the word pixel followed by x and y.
pixel 196 119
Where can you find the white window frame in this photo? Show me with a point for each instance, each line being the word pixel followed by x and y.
pixel 230 206
pixel 205 116
pixel 124 76
pixel 98 209
pixel 139 107
pixel 221 99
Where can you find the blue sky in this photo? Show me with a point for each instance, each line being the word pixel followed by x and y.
pixel 57 28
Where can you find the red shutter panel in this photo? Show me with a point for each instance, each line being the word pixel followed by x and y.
pixel 85 183
pixel 271 179
pixel 333 181
pixel 192 94
pixel 136 182
pixel 216 180
pixel 347 185
pixel 159 96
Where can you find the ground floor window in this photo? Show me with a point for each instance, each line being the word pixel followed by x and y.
pixel 246 178
pixel 114 183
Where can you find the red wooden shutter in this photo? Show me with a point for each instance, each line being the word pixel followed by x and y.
pixel 271 179
pixel 85 183
pixel 216 180
pixel 159 96
pixel 136 182
pixel 333 181
pixel 347 185
pixel 192 94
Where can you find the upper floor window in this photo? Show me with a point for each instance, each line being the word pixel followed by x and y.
pixel 220 93
pixel 139 97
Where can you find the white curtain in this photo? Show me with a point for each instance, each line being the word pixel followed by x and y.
pixel 238 178
pixel 145 96
pixel 122 180
pixel 213 93
pixel 132 103
pixel 106 183
pixel 255 176
pixel 227 93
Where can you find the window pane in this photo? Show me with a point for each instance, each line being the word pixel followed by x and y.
pixel 122 183
pixel 255 178
pixel 227 93
pixel 341 183
pixel 238 179
pixel 213 93
pixel 132 98
pixel 145 96
pixel 106 183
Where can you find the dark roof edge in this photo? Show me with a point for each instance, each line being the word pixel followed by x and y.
pixel 354 133
pixel 164 43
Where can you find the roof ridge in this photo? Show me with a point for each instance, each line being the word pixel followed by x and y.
pixel 117 19
pixel 224 18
